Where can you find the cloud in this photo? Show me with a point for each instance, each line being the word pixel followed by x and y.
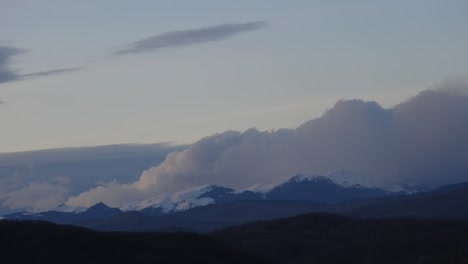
pixel 7 74
pixel 6 54
pixel 78 154
pixel 188 37
pixel 75 169
pixel 50 72
pixel 420 141
pixel 17 193
pixel 106 193
pixel 37 197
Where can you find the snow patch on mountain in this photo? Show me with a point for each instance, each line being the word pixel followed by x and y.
pixel 345 179
pixel 264 188
pixel 350 179
pixel 257 188
pixel 179 201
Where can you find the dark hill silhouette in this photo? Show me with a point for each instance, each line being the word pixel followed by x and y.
pixel 204 218
pixel 447 202
pixel 309 238
pixel 329 239
pixel 43 242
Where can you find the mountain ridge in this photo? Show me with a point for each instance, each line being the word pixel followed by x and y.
pixel 446 202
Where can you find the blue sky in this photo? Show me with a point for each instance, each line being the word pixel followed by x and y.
pixel 307 55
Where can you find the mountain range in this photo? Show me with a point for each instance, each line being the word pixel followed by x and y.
pixel 211 207
pixel 332 188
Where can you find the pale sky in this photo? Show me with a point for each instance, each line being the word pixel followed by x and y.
pixel 212 65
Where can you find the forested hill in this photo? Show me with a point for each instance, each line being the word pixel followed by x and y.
pixel 311 238
pixel 332 239
pixel 42 242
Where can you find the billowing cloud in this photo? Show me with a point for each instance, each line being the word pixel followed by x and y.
pixel 7 74
pixel 421 141
pixel 188 37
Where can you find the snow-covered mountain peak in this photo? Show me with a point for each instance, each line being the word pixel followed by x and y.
pixel 195 191
pixel 179 201
pixel 346 184
pixel 267 187
pixel 351 179
pixel 162 202
pixel 256 188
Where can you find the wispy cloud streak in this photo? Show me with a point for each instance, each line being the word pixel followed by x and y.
pixel 50 72
pixel 7 74
pixel 179 38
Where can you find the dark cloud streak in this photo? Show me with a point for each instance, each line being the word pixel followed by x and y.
pixel 188 37
pixel 6 54
pixel 7 74
pixel 50 72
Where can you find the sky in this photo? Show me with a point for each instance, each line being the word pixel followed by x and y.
pixel 85 73
pixel 127 100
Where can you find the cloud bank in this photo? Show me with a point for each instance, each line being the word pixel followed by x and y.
pixel 43 179
pixel 421 141
pixel 188 37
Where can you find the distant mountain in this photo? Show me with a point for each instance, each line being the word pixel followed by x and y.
pixel 321 189
pixel 335 188
pixel 97 211
pixel 446 202
pixel 184 200
pixel 204 218
pixel 298 189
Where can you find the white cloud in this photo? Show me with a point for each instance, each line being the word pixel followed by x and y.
pixel 36 197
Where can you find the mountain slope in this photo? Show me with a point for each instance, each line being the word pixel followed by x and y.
pixel 324 238
pixel 334 188
pixel 321 189
pixel 97 211
pixel 204 218
pixel 446 202
pixel 187 199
